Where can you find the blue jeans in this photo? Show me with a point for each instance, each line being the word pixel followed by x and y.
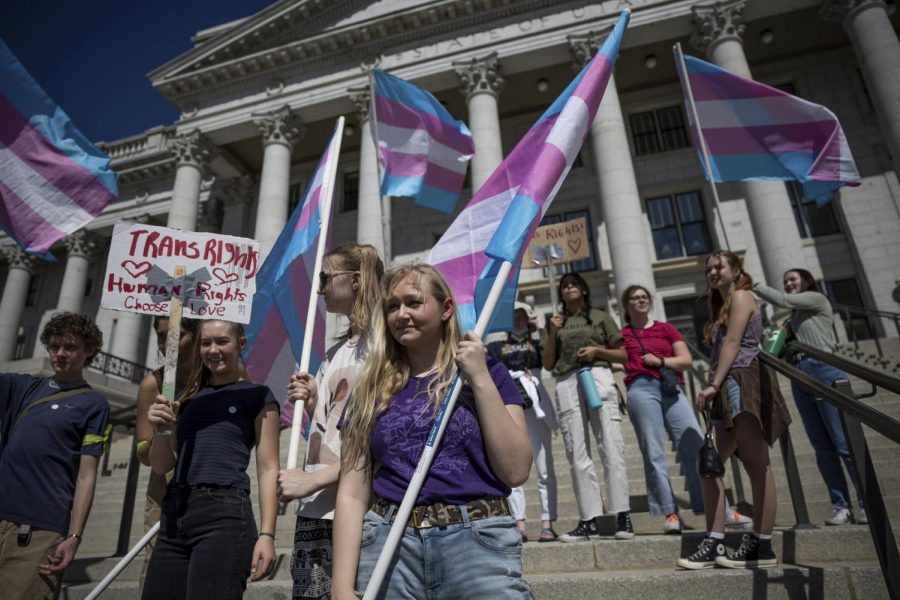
pixel 822 421
pixel 473 559
pixel 205 544
pixel 651 414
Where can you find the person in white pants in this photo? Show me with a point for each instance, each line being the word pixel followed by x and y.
pixel 521 353
pixel 585 337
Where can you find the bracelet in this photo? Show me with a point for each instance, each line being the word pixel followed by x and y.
pixel 74 535
pixel 714 386
pixel 662 362
pixel 262 533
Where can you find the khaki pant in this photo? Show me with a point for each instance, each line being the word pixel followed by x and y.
pixel 19 577
pixel 574 417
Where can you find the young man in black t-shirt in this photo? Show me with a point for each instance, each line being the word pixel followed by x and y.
pixel 52 434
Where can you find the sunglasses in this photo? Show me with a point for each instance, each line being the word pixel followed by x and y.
pixel 324 277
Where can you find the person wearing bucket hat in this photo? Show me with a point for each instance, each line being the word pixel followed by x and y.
pixel 812 323
pixel 520 352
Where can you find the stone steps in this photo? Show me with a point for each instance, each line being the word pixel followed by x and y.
pixel 823 563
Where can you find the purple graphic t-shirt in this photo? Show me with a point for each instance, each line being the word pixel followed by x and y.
pixel 460 471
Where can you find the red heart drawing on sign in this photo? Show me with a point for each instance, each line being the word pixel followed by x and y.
pixel 574 246
pixel 224 276
pixel 136 269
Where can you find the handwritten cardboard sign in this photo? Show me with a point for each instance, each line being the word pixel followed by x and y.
pixel 571 236
pixel 219 281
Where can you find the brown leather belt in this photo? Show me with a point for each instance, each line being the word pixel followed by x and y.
pixel 441 515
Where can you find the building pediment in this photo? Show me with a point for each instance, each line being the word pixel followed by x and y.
pixel 293 37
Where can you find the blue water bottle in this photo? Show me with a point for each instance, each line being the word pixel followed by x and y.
pixel 589 388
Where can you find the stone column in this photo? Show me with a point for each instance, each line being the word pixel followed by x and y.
pixel 237 200
pixel 481 85
pixel 629 248
pixel 123 339
pixel 878 52
pixel 280 130
pixel 80 246
pixel 192 152
pixel 718 32
pixel 372 214
pixel 12 303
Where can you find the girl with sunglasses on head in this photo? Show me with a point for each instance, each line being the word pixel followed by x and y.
pixel 208 543
pixel 583 336
pixel 460 541
pixel 748 410
pixel 350 282
pixel 150 387
pixel 812 323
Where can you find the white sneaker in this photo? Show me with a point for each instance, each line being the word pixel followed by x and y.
pixel 840 516
pixel 735 520
pixel 861 518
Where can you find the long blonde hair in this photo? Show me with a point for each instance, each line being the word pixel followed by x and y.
pixel 719 307
pixel 386 370
pixel 363 258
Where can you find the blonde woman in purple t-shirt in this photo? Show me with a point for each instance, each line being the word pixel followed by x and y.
pixel 461 540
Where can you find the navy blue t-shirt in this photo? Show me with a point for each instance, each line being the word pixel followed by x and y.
pixel 216 432
pixel 39 461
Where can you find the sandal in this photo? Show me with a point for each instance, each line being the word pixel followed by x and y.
pixel 547 535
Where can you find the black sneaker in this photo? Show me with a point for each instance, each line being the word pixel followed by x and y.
pixel 705 556
pixel 753 552
pixel 582 533
pixel 624 529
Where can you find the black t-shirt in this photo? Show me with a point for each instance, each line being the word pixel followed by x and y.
pixel 216 432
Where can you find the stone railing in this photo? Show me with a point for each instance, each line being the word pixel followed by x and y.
pixel 152 142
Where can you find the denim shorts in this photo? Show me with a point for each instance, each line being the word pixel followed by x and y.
pixel 474 559
pixel 735 400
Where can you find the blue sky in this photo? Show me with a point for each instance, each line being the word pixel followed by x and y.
pixel 92 56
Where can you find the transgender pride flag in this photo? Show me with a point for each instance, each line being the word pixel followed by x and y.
pixel 53 180
pixel 284 287
pixel 424 150
pixel 499 220
pixel 753 131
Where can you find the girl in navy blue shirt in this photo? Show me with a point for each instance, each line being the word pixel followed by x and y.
pixel 208 542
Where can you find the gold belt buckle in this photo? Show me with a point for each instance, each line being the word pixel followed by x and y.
pixel 418 514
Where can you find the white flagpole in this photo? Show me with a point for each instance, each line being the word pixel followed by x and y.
pixel 431 444
pixel 373 124
pixel 120 566
pixel 681 67
pixel 324 224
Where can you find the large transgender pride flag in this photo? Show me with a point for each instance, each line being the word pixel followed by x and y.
pixel 283 291
pixel 753 131
pixel 53 180
pixel 499 220
pixel 424 150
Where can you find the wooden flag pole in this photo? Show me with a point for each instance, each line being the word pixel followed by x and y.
pixel 431 444
pixel 692 107
pixel 173 337
pixel 324 224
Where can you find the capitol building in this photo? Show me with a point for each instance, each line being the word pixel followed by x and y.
pixel 259 97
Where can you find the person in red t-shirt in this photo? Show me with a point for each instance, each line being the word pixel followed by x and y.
pixel 653 347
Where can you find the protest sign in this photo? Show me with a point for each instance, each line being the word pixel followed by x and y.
pixel 571 236
pixel 219 280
